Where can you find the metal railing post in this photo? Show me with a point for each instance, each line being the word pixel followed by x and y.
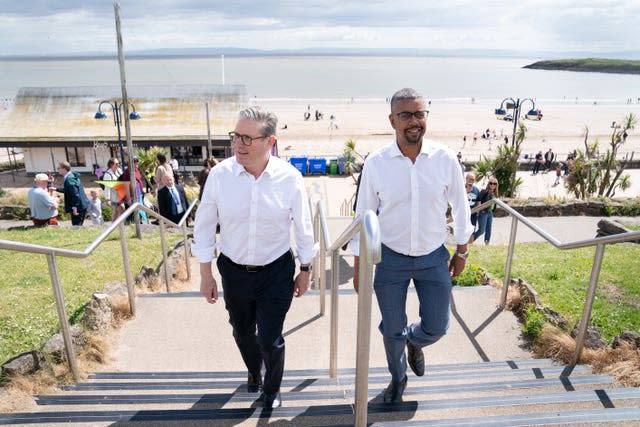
pixel 165 264
pixel 62 316
pixel 320 274
pixel 333 340
pixel 127 269
pixel 507 268
pixel 591 293
pixel 187 249
pixel 369 255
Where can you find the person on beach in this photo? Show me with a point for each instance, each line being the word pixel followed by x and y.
pixel 257 199
pixel 410 183
pixel 43 207
pixel 549 157
pixel 485 216
pixel 539 161
pixel 76 201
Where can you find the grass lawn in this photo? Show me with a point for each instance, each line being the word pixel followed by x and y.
pixel 561 278
pixel 28 314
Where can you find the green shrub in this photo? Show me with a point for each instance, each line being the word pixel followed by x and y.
pixel 630 208
pixel 471 276
pixel 534 322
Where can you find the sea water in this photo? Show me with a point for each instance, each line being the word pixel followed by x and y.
pixel 335 78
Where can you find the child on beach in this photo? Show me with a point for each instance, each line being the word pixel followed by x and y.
pixel 95 208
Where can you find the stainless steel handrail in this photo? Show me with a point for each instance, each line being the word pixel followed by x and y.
pixel 53 252
pixel 370 252
pixel 599 242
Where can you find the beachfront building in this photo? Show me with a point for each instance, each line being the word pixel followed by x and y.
pixel 51 124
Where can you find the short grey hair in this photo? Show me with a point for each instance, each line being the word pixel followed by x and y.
pixel 404 94
pixel 259 114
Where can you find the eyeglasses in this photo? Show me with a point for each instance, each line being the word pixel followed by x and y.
pixel 405 116
pixel 246 139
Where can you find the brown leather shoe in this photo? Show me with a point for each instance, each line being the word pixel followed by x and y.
pixel 415 357
pixel 393 392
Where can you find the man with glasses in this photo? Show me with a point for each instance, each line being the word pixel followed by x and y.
pixel 255 198
pixel 410 183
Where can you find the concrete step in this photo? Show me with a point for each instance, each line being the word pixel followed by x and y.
pixel 522 392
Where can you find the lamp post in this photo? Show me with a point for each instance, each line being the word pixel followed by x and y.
pixel 516 106
pixel 116 108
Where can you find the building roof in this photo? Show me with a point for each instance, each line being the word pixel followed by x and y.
pixel 49 114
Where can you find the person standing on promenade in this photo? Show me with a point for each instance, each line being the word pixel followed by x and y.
pixel 172 200
pixel 485 216
pixel 538 161
pixel 410 183
pixel 473 193
pixel 163 168
pixel 76 201
pixel 204 173
pixel 256 198
pixel 175 168
pixel 111 196
pixel 43 207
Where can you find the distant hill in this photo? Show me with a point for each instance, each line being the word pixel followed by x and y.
pixel 594 65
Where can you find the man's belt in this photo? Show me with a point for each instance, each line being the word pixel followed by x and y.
pixel 255 268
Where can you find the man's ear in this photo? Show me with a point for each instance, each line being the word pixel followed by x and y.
pixel 392 120
pixel 272 140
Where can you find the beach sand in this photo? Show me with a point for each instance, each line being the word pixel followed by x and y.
pixel 562 127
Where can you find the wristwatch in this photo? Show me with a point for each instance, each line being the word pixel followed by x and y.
pixel 306 268
pixel 463 255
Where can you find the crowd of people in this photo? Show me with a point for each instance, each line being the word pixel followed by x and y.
pixel 170 196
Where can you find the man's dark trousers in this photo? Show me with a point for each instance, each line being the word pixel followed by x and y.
pixel 259 300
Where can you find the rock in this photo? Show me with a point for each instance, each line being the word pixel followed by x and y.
pixel 609 227
pixel 593 338
pixel 98 315
pixel 55 345
pixel 555 318
pixel 23 364
pixel 631 338
pixel 146 273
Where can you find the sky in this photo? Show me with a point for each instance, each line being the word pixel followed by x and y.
pixel 59 27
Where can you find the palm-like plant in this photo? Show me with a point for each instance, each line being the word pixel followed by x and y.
pixel 504 165
pixel 601 174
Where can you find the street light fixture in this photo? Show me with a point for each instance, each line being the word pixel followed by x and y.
pixel 115 109
pixel 516 105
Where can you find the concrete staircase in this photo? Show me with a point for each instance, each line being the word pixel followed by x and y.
pixel 522 392
pixel 176 364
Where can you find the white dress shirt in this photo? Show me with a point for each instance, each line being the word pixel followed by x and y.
pixel 411 199
pixel 255 215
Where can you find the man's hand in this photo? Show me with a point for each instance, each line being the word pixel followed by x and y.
pixel 356 272
pixel 208 285
pixel 456 266
pixel 302 282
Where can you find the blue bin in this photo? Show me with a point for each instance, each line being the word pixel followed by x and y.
pixel 318 166
pixel 299 163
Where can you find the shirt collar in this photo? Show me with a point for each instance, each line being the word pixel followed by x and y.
pixel 239 169
pixel 427 149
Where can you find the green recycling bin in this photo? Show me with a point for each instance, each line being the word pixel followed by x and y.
pixel 333 167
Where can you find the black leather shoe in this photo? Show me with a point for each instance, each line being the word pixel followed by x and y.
pixel 271 400
pixel 415 357
pixel 254 383
pixel 393 392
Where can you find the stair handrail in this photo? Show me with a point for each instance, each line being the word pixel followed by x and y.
pixel 599 242
pixel 52 252
pixel 370 253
